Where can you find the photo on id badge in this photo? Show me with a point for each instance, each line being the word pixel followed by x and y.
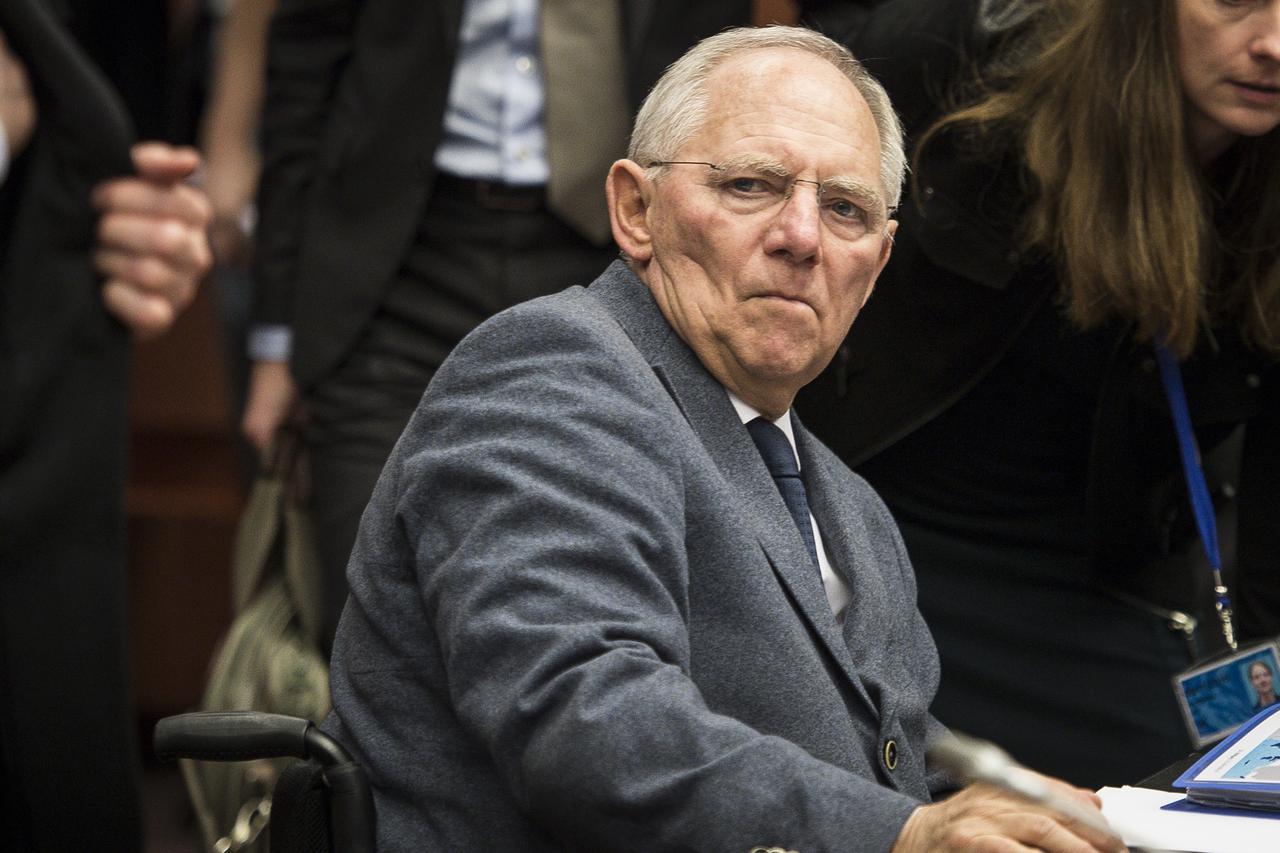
pixel 1217 697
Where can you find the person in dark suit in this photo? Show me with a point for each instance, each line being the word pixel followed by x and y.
pixel 609 593
pixel 83 263
pixel 407 195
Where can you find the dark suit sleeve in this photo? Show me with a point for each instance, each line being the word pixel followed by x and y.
pixel 308 46
pixel 552 564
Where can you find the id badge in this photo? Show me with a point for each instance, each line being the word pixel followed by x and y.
pixel 1220 694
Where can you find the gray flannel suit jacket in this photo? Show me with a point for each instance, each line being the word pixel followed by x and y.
pixel 582 618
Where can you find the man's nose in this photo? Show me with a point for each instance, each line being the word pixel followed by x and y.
pixel 796 230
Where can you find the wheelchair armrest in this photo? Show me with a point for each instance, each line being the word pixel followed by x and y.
pixel 246 735
pixel 231 736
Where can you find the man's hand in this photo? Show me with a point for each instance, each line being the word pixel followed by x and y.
pixel 272 395
pixel 17 106
pixel 152 246
pixel 983 818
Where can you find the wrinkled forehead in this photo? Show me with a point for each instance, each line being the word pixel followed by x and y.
pixel 792 105
pixel 784 77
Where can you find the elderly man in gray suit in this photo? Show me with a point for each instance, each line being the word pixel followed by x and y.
pixel 596 603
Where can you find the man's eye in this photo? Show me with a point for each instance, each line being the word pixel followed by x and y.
pixel 846 209
pixel 748 185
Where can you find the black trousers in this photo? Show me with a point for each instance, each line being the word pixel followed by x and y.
pixel 476 253
pixel 68 750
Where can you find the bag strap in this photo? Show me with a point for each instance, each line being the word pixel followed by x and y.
pixel 260 530
pixel 256 537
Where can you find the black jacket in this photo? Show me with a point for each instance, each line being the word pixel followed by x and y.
pixel 67 746
pixel 956 294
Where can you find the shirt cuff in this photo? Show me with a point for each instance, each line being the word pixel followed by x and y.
pixel 270 343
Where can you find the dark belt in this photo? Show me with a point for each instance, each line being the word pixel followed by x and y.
pixel 492 195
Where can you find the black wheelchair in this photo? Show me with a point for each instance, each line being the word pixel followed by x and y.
pixel 321 804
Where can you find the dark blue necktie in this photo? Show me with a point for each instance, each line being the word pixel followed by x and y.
pixel 781 462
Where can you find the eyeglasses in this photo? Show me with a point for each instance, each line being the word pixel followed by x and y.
pixel 848 208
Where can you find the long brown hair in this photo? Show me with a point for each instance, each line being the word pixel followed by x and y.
pixel 1141 233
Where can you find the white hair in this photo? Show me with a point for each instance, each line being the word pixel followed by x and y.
pixel 676 107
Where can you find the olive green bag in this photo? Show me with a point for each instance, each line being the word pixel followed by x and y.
pixel 270 659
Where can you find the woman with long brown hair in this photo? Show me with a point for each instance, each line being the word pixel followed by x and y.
pixel 1093 181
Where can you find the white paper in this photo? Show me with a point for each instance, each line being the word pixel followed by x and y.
pixel 1136 815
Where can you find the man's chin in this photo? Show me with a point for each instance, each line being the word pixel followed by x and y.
pixel 787 365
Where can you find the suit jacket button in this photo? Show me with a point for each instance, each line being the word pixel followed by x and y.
pixel 891 754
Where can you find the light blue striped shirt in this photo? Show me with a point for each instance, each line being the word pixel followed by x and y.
pixel 493 126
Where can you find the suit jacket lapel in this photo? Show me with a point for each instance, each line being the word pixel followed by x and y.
pixel 869 597
pixel 706 407
pixel 823 502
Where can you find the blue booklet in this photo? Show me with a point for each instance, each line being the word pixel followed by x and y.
pixel 1241 772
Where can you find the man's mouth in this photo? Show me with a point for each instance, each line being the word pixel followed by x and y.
pixel 783 296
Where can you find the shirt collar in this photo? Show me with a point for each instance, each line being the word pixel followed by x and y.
pixel 747 414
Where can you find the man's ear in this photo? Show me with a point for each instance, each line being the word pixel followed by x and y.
pixel 886 248
pixel 628 193
pixel 886 245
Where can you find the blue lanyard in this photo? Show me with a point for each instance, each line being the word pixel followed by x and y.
pixel 1197 488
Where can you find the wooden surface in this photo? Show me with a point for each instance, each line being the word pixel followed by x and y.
pixel 184 493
